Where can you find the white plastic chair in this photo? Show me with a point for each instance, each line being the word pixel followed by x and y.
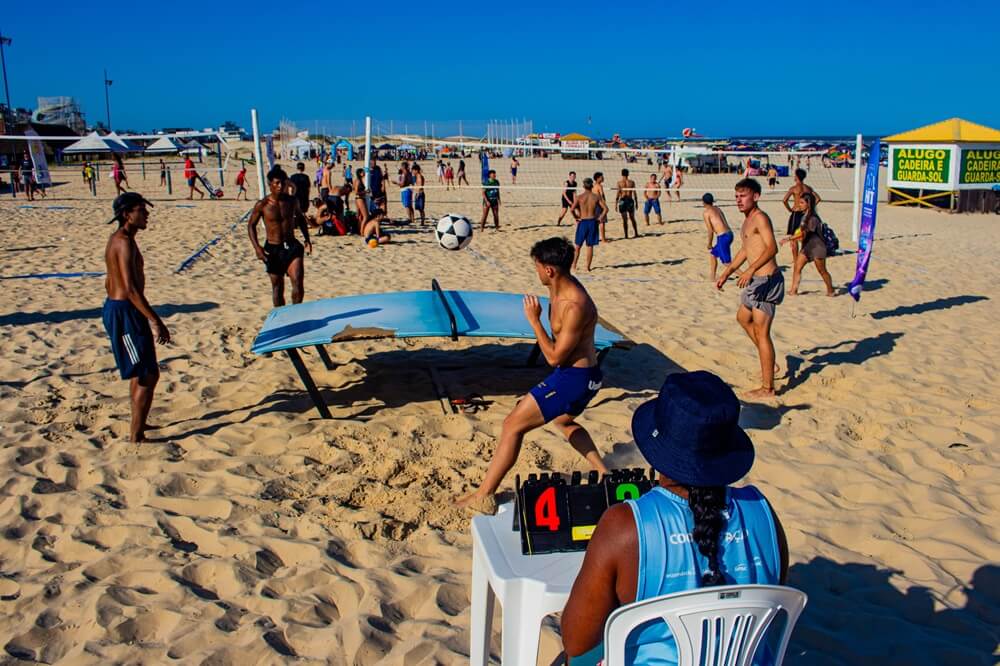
pixel 713 626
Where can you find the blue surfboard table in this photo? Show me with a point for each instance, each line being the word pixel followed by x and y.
pixel 408 314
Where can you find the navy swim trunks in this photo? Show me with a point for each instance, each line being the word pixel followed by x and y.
pixel 131 339
pixel 587 232
pixel 567 391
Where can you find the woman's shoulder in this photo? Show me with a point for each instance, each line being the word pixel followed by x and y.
pixel 748 493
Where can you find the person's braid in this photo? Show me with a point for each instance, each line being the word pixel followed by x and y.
pixel 708 503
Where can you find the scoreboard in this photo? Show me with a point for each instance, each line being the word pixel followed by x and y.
pixel 557 515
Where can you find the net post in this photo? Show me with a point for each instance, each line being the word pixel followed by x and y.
pixel 170 187
pixel 256 152
pixel 368 154
pixel 856 216
pixel 222 181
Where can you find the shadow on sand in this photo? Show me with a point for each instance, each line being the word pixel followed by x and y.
pixel 929 306
pixel 399 377
pixel 62 316
pixel 638 264
pixel 861 351
pixel 856 615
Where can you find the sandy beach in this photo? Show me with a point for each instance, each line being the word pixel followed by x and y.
pixel 252 532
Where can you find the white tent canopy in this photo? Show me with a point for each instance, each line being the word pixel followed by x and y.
pixel 95 143
pixel 130 146
pixel 301 148
pixel 192 147
pixel 164 144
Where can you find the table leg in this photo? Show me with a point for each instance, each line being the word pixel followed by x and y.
pixel 519 642
pixel 482 612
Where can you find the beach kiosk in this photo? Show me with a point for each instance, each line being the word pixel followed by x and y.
pixel 575 146
pixel 952 165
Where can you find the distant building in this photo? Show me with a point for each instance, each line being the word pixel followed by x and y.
pixel 60 111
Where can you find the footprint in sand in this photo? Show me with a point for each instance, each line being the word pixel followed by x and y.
pixel 452 599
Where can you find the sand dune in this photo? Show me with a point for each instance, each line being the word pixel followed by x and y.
pixel 252 532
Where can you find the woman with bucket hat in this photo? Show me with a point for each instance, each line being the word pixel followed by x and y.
pixel 692 530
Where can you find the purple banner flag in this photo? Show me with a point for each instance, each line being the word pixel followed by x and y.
pixel 866 236
pixel 270 151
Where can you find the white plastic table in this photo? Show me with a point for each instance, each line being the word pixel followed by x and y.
pixel 529 587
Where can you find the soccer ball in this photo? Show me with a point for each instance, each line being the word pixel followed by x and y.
pixel 453 231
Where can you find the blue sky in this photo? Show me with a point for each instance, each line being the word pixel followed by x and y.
pixel 638 68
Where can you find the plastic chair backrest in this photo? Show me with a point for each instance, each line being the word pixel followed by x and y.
pixel 713 626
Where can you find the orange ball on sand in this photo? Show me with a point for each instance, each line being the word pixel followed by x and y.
pixel 373 243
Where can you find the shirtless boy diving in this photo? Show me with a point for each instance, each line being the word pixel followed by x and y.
pixel 762 283
pixel 282 253
pixel 565 393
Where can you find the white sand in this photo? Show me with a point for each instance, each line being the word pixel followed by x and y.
pixel 252 530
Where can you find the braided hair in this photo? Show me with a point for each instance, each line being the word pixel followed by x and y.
pixel 708 503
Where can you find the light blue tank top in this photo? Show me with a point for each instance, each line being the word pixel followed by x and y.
pixel 669 560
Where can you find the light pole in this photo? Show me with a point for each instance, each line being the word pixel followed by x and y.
pixel 5 41
pixel 107 98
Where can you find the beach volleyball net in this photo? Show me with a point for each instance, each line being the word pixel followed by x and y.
pixel 542 171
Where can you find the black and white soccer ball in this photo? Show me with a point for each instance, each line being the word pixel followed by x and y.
pixel 454 232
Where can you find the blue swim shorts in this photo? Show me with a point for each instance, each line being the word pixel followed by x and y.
pixel 587 231
pixel 131 339
pixel 651 204
pixel 723 247
pixel 418 203
pixel 567 391
pixel 407 198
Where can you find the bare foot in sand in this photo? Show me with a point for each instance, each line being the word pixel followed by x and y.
pixel 477 503
pixel 760 393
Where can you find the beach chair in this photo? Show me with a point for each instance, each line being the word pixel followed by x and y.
pixel 720 626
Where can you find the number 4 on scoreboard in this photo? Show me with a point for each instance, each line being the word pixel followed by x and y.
pixel 546 511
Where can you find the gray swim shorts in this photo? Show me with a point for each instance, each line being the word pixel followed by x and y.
pixel 764 293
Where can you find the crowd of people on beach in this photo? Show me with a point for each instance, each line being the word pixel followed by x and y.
pixel 689 433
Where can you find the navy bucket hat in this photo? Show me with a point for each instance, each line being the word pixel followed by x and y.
pixel 691 431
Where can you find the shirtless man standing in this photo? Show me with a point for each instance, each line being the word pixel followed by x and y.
pixel 678 183
pixel 794 192
pixel 128 317
pixel 575 381
pixel 652 194
pixel 599 191
pixel 326 180
pixel 282 254
pixel 762 283
pixel 585 207
pixel 667 177
pixel 718 229
pixel 625 199
pixel 405 182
